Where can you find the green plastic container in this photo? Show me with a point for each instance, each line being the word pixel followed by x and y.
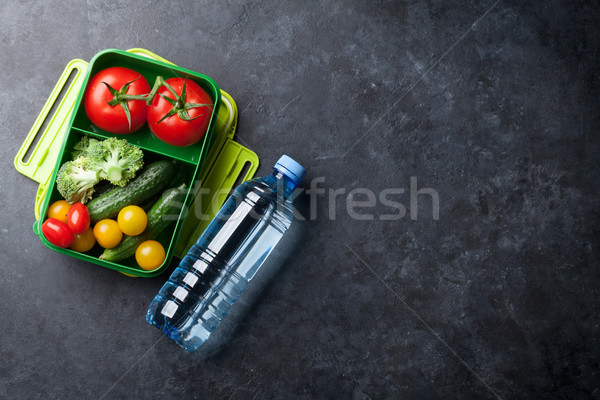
pixel 214 163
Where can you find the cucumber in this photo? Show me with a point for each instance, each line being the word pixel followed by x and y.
pixel 103 187
pixel 160 216
pixel 154 178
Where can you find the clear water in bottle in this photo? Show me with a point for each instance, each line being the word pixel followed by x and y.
pixel 217 269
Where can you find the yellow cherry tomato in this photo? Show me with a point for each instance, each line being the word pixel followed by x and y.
pixel 84 242
pixel 132 220
pixel 107 233
pixel 59 210
pixel 150 255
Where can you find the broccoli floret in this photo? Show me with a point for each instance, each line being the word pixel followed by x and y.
pixel 115 160
pixel 84 147
pixel 75 182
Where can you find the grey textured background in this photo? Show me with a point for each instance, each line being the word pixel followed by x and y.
pixel 498 298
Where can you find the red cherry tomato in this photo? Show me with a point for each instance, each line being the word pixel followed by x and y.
pixel 174 130
pixel 78 218
pixel 57 232
pixel 112 118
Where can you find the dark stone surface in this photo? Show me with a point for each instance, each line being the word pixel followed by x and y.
pixel 499 115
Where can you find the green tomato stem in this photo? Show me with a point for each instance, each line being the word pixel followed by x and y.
pixel 180 106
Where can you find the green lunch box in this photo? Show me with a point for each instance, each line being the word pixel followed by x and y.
pixel 216 164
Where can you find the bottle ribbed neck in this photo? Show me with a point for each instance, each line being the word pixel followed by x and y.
pixel 284 184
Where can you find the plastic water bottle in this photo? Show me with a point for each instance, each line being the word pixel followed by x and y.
pixel 217 269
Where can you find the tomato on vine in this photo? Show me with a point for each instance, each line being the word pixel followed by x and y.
pixel 181 112
pixel 115 100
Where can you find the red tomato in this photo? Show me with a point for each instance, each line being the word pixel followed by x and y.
pixel 57 232
pixel 78 218
pixel 173 129
pixel 113 118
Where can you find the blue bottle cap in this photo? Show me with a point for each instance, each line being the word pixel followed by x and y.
pixel 290 168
